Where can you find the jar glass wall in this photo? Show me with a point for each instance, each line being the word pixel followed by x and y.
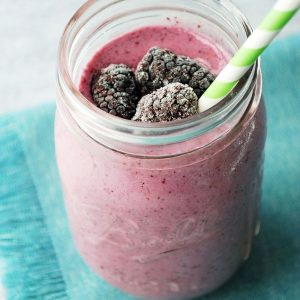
pixel 159 211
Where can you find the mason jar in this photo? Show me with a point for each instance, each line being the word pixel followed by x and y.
pixel 162 210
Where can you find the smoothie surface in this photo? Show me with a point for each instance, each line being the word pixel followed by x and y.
pixel 129 49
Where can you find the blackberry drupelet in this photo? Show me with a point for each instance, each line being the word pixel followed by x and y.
pixel 159 67
pixel 114 90
pixel 174 101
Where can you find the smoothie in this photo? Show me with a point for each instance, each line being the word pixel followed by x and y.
pixel 175 230
pixel 131 47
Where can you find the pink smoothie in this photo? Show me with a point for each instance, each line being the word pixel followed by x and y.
pixel 130 48
pixel 178 229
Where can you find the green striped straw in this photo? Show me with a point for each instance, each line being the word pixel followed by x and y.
pixel 241 62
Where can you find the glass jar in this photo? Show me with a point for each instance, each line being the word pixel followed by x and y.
pixel 160 211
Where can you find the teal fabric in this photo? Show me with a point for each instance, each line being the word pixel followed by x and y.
pixel 37 257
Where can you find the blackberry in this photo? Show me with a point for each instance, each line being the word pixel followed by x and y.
pixel 114 90
pixel 174 101
pixel 160 67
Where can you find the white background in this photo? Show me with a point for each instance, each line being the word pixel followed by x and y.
pixel 29 34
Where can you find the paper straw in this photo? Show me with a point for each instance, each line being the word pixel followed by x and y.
pixel 241 62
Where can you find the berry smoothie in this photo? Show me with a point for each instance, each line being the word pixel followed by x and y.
pixel 171 228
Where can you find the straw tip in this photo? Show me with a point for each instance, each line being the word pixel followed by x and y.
pixel 206 103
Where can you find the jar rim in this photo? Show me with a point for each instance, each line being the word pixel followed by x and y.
pixel 147 133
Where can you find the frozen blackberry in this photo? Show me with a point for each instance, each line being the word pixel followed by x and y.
pixel 114 90
pixel 174 101
pixel 160 67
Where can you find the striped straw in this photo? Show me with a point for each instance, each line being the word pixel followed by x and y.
pixel 241 62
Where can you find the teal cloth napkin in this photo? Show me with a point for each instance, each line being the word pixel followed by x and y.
pixel 37 257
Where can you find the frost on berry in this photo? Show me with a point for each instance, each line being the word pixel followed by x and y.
pixel 114 90
pixel 159 67
pixel 174 101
